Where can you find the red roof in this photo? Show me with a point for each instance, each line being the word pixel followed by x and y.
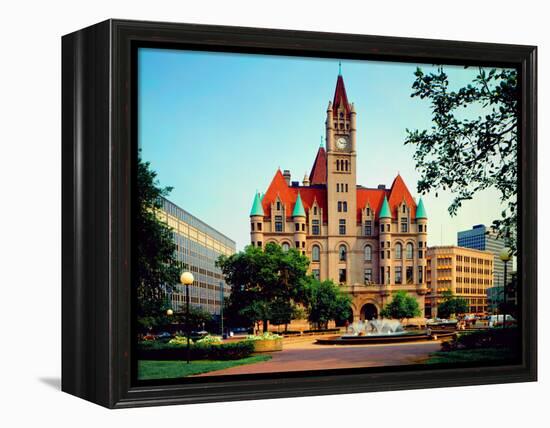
pixel 373 197
pixel 398 193
pixel 288 195
pixel 340 97
pixel 318 173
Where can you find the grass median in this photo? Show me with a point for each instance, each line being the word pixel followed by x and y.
pixel 482 355
pixel 151 369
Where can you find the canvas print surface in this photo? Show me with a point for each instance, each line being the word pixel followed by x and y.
pixel 303 214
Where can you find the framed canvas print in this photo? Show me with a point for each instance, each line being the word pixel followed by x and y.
pixel 253 213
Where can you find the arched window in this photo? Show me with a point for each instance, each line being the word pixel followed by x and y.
pixel 342 252
pixel 368 253
pixel 338 165
pixel 410 250
pixel 285 246
pixel 315 253
pixel 398 251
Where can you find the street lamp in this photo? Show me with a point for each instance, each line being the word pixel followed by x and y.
pixel 169 312
pixel 187 279
pixel 505 255
pixel 221 307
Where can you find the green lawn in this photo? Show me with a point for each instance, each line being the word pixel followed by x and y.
pixel 484 355
pixel 150 369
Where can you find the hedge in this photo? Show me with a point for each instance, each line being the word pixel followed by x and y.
pixel 323 330
pixel 153 350
pixel 494 338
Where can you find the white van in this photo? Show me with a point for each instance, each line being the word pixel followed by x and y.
pixel 496 320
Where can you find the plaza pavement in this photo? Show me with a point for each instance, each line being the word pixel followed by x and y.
pixel 306 355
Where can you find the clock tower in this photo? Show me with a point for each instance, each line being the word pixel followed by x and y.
pixel 341 175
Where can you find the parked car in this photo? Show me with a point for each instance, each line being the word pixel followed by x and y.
pixel 163 335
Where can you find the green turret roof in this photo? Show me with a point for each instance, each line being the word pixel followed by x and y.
pixel 420 210
pixel 257 208
pixel 299 208
pixel 385 210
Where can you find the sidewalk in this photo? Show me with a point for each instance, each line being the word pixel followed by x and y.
pixel 299 356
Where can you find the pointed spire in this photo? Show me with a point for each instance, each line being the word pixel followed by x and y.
pixel 340 97
pixel 257 209
pixel 420 210
pixel 299 210
pixel 385 210
pixel 318 174
pixel 339 68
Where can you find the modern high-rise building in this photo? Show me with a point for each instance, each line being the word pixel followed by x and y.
pixel 465 272
pixel 198 246
pixel 480 237
pixel 371 241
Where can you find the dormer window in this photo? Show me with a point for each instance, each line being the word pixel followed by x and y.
pixel 368 228
pixel 315 230
pixel 278 206
pixel 278 223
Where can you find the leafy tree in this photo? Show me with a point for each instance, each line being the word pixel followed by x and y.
pixel 154 315
pixel 326 302
pixel 156 265
pixel 260 278
pixel 451 305
pixel 257 312
pixel 198 317
pixel 402 306
pixel 281 312
pixel 467 154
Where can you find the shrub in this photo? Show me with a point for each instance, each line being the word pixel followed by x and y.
pixel 149 350
pixel 209 340
pixel 264 336
pixel 179 340
pixel 497 338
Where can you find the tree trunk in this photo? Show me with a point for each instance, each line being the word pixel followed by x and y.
pixel 265 326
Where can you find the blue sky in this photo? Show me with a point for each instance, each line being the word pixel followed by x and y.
pixel 216 127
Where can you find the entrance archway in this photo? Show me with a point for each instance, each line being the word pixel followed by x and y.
pixel 369 312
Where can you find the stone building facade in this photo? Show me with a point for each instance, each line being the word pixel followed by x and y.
pixel 466 272
pixel 371 241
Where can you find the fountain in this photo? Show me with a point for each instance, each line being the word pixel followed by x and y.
pixel 375 327
pixel 380 331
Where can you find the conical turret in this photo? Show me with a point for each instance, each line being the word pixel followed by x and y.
pixel 420 210
pixel 257 209
pixel 385 210
pixel 299 210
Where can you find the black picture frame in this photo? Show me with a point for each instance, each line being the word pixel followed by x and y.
pixel 98 136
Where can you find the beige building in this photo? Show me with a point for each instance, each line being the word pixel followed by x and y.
pixel 372 241
pixel 466 272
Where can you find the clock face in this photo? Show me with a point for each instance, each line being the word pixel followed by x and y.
pixel 341 143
